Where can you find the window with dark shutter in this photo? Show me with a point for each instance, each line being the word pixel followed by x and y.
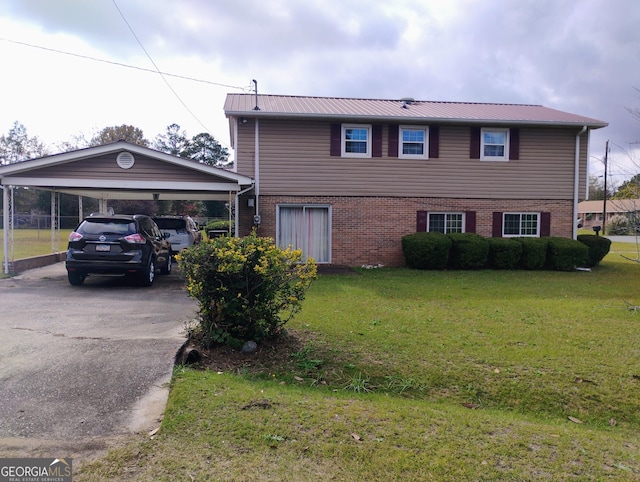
pixel 421 221
pixel 545 224
pixel 470 222
pixel 394 129
pixel 497 224
pixel 514 144
pixel 434 142
pixel 474 144
pixel 336 139
pixel 376 140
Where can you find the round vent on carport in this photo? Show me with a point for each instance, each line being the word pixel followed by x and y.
pixel 125 160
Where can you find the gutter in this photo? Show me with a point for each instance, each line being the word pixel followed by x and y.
pixel 576 183
pixel 238 194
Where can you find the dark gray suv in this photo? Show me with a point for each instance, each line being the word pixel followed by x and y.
pixel 131 245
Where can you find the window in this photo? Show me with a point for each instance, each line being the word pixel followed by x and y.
pixel 521 224
pixel 305 227
pixel 356 140
pixel 414 143
pixel 494 144
pixel 446 222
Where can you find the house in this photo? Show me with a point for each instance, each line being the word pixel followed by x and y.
pixel 345 179
pixel 591 213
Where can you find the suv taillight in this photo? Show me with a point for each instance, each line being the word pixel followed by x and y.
pixel 75 236
pixel 135 239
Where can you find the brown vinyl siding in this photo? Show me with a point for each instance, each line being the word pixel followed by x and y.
pixel 106 168
pixel 295 160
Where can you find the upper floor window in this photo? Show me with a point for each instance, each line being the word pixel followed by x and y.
pixel 356 140
pixel 521 224
pixel 414 142
pixel 494 144
pixel 446 222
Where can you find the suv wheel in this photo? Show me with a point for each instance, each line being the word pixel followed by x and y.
pixel 76 278
pixel 147 276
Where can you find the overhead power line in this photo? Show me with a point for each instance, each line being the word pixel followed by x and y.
pixel 128 66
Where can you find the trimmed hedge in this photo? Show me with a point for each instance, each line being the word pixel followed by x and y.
pixel 426 250
pixel 599 247
pixel 534 252
pixel 504 253
pixel 468 251
pixel 566 254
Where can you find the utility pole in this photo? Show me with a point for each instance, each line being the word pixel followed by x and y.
pixel 604 203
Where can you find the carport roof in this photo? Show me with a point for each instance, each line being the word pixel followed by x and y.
pixel 125 171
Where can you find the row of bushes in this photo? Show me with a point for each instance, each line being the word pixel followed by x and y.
pixel 471 251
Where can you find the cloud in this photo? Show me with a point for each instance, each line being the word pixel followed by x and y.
pixel 575 56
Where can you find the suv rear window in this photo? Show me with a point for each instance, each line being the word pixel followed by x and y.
pixel 107 227
pixel 170 223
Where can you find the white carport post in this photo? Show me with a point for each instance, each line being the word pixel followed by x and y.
pixel 55 220
pixel 7 224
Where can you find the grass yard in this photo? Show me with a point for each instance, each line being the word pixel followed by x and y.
pixel 409 375
pixel 35 242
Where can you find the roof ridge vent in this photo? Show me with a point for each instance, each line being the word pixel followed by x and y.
pixel 405 101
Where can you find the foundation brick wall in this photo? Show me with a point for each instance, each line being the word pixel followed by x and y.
pixel 368 230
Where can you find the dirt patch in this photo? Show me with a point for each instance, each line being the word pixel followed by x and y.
pixel 272 356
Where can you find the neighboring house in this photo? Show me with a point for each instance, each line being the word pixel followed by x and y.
pixel 345 179
pixel 591 213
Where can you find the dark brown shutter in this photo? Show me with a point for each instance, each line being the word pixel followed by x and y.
pixel 394 130
pixel 421 221
pixel 497 224
pixel 474 144
pixel 434 142
pixel 336 139
pixel 514 144
pixel 376 140
pixel 470 222
pixel 545 224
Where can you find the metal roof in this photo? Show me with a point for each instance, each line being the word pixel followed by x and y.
pixel 399 110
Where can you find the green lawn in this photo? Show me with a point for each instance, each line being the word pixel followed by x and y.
pixel 410 375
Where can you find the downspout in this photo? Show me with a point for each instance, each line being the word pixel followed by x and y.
pixel 576 183
pixel 256 174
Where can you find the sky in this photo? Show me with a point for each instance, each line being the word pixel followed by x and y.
pixel 580 57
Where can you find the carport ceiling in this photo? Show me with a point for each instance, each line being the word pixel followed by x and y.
pixel 125 171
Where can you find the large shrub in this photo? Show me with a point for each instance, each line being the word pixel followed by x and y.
pixel 534 252
pixel 566 254
pixel 598 247
pixel 468 251
pixel 426 250
pixel 504 253
pixel 247 288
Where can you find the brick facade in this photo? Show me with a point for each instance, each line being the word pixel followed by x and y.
pixel 368 230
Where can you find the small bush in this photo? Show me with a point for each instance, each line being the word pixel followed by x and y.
pixel 468 251
pixel 426 250
pixel 618 225
pixel 504 253
pixel 565 254
pixel 247 288
pixel 598 247
pixel 534 252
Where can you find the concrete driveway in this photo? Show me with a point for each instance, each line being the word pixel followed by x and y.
pixel 82 366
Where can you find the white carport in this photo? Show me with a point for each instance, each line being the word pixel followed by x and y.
pixel 117 171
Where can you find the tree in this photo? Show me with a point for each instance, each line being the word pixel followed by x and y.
pixel 124 132
pixel 596 189
pixel 174 141
pixel 205 149
pixel 629 189
pixel 17 146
